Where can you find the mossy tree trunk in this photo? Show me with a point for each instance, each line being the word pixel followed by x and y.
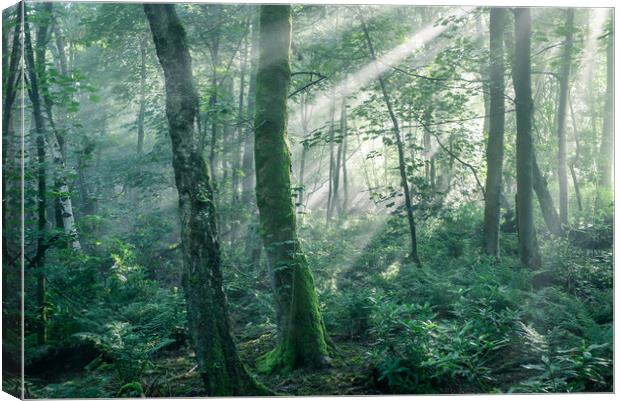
pixel 220 367
pixel 302 337
pixel 522 79
pixel 495 142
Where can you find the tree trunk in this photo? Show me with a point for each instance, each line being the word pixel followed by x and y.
pixel 247 184
pixel 221 369
pixel 236 165
pixel 304 151
pixel 607 141
pixel 34 70
pixel 495 143
pixel 401 155
pixel 429 165
pixel 12 77
pixel 141 111
pixel 36 76
pixel 336 184
pixel 60 47
pixel 485 77
pixel 552 220
pixel 252 242
pixel 528 248
pixel 302 337
pixel 575 158
pixel 345 176
pixel 332 164
pixel 562 109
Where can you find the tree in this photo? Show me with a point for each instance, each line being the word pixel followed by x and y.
pixel 301 337
pixel 607 141
pixel 495 142
pixel 38 91
pixel 401 155
pixel 562 111
pixel 221 369
pixel 521 76
pixel 35 67
pixel 550 215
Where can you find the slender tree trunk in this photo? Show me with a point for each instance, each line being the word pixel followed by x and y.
pixel 36 76
pixel 240 120
pixel 247 184
pixel 485 77
pixel 336 184
pixel 607 142
pixel 65 216
pixel 562 109
pixel 221 369
pixel 237 173
pixel 495 143
pixel 429 165
pixel 550 215
pixel 575 159
pixel 60 48
pixel 528 247
pixel 253 244
pixel 34 67
pixel 12 73
pixel 141 111
pixel 332 164
pixel 304 151
pixel 576 186
pixel 302 338
pixel 214 123
pixel 401 155
pixel 41 328
pixel 345 175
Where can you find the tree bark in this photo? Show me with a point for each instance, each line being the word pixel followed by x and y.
pixel 221 369
pixel 521 75
pixel 562 111
pixel 401 155
pixel 495 143
pixel 302 338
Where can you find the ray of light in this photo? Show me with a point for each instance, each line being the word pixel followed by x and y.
pixel 352 84
pixel 357 80
pixel 596 19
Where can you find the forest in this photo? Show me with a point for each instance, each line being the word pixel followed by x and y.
pixel 242 199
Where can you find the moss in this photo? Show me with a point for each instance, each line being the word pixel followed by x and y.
pixel 301 330
pixel 220 368
pixel 133 389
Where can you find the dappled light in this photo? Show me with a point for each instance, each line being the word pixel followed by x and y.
pixel 279 200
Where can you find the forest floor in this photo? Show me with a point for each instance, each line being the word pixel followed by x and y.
pixel 174 374
pixel 462 324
